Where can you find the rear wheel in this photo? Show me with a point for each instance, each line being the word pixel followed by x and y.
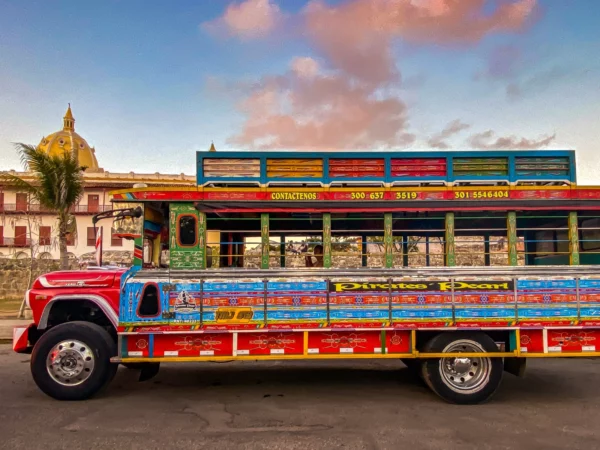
pixel 71 361
pixel 465 380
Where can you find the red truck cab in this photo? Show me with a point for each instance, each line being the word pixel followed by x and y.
pixel 90 295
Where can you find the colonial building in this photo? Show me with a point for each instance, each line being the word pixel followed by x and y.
pixel 27 228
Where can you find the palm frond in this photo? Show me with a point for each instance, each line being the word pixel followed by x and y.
pixel 20 183
pixel 59 177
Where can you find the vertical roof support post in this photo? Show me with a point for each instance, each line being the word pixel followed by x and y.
pixel 201 239
pixel 573 239
pixel 264 239
pixel 327 240
pixel 450 245
pixel 282 251
pixel 511 231
pixel 388 240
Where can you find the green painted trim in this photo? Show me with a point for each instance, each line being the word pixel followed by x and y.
pixel 388 240
pixel 450 246
pixel 383 348
pixel 511 231
pixel 202 239
pixel 264 238
pixel 124 346
pixel 574 259
pixel 326 240
pixel 512 340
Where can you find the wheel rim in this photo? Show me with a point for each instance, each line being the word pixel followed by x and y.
pixel 465 375
pixel 70 362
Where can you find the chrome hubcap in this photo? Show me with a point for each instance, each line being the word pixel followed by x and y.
pixel 70 362
pixel 465 375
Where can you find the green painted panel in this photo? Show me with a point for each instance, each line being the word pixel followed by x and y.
pixel 326 240
pixel 511 225
pixel 264 238
pixel 450 245
pixel 573 239
pixel 187 237
pixel 388 240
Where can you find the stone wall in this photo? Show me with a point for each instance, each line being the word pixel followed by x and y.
pixel 14 275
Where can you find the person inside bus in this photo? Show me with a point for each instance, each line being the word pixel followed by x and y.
pixel 316 259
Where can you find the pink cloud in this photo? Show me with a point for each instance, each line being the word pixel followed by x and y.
pixel 348 100
pixel 439 140
pixel 248 19
pixel 321 112
pixel 356 35
pixel 305 67
pixel 488 141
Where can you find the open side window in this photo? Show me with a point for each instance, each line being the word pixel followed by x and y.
pixel 149 305
pixel 187 230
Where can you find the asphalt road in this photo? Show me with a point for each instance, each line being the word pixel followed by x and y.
pixel 302 405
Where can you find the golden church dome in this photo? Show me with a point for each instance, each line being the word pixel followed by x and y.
pixel 67 140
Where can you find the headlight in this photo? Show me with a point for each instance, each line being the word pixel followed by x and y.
pixel 27 298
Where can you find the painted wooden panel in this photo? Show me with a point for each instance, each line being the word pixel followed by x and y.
pixel 186 254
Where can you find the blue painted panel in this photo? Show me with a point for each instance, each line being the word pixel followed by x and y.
pixel 131 295
pixel 484 312
pixel 554 311
pixel 233 286
pixel 589 310
pixel 358 313
pixel 417 312
pixel 185 302
pixel 282 286
pixel 545 284
pixel 282 314
pixel 589 283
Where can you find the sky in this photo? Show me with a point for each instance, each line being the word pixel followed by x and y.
pixel 151 82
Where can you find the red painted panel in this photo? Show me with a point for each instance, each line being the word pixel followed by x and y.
pixel 270 343
pixel 532 341
pixel 547 298
pixel 344 342
pixel 397 341
pixel 138 346
pixel 573 341
pixel 526 323
pixel 206 344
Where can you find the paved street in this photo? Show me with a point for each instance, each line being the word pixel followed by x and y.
pixel 302 405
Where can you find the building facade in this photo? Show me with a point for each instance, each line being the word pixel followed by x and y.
pixel 26 228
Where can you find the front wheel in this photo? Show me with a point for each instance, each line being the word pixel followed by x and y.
pixel 71 361
pixel 467 380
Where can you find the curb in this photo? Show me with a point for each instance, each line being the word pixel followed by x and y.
pixel 6 327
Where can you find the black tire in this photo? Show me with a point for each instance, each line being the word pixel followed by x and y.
pixel 487 372
pixel 100 344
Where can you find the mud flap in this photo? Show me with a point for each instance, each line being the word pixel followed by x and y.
pixel 148 371
pixel 515 366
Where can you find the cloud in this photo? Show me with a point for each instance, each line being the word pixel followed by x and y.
pixel 487 140
pixel 347 96
pixel 320 112
pixel 540 81
pixel 439 140
pixel 248 19
pixel 305 67
pixel 356 36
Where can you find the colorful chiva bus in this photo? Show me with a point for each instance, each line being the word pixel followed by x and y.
pixel 460 264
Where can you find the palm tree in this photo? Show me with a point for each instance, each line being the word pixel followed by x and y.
pixel 57 186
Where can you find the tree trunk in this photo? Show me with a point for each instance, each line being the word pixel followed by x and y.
pixel 62 243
